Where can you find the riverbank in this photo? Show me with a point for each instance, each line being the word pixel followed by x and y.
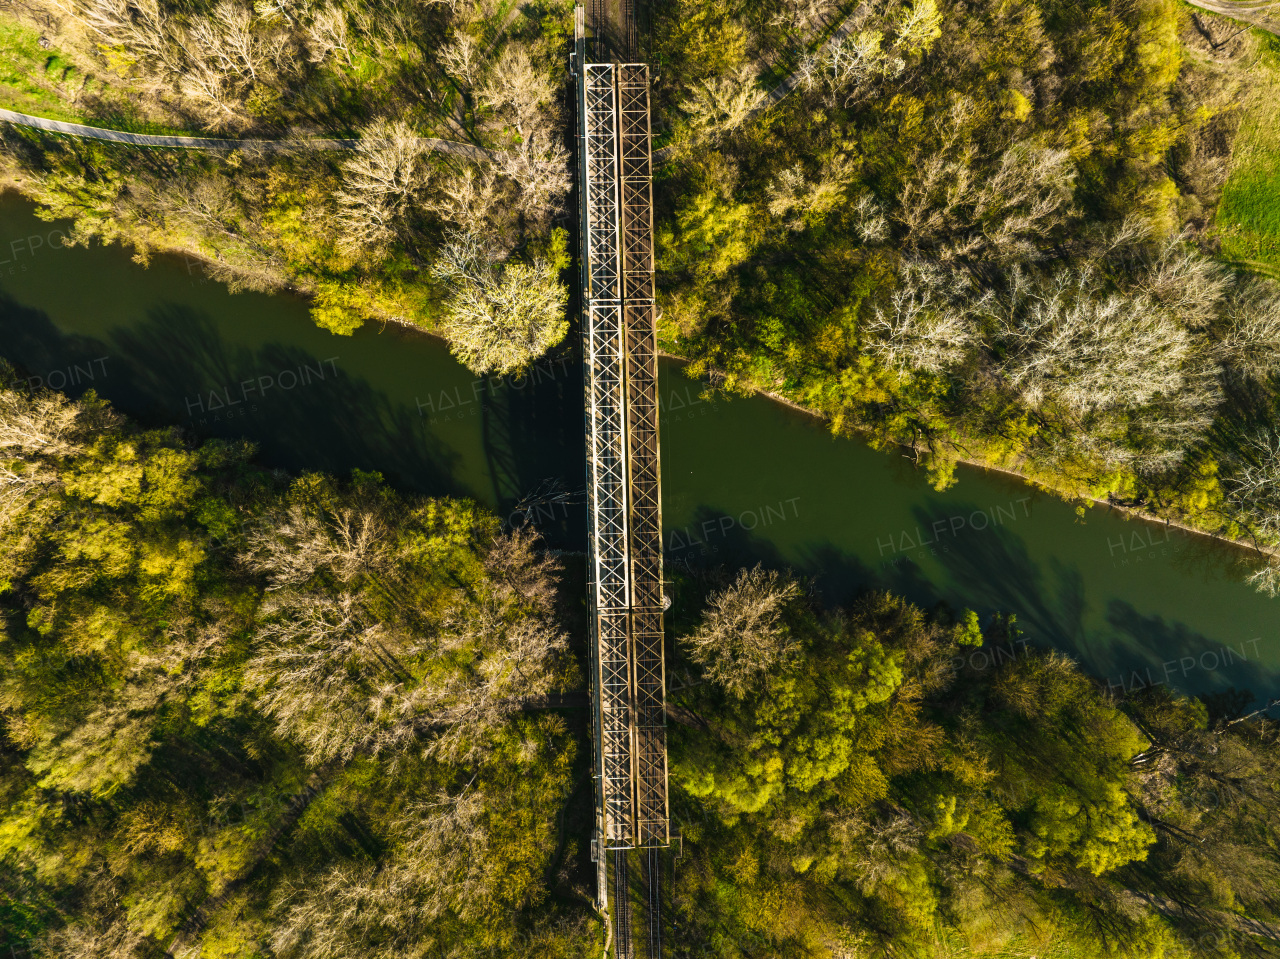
pixel 221 271
pixel 1066 495
pixel 745 481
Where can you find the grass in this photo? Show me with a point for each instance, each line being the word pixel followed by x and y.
pixel 47 83
pixel 33 80
pixel 1248 218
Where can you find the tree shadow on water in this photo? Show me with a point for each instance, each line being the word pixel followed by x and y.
pixel 304 412
pixel 72 363
pixel 1177 655
pixel 991 570
pixel 535 447
pixel 714 539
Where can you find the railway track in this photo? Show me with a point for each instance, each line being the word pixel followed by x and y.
pixel 622 944
pixel 653 890
pixel 614 30
pixel 620 362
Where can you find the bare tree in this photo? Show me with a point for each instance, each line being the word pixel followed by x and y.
pixel 792 194
pixel 212 89
pixel 851 69
pixel 722 104
pixel 805 16
pixel 362 671
pixel 1069 343
pixel 317 664
pixel 917 26
pixel 327 34
pixel 381 182
pixel 511 660
pixel 525 107
pixel 892 841
pixel 139 27
pixel 1005 216
pixel 442 867
pixel 38 431
pixel 930 321
pixel 42 423
pixel 476 200
pixel 462 58
pixel 1254 488
pixel 540 170
pixel 1186 283
pixel 1251 343
pixel 501 316
pixel 230 27
pixel 869 220
pixel 1266 578
pixel 520 94
pixel 117 939
pixel 742 635
pixel 513 644
pixel 360 911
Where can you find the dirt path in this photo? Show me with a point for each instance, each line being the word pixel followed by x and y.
pixel 213 143
pixel 1263 14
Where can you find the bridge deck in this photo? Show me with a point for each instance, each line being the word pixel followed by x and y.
pixel 624 488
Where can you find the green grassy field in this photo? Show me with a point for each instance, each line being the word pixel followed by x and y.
pixel 47 83
pixel 33 80
pixel 1248 219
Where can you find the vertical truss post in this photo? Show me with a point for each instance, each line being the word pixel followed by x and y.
pixel 644 473
pixel 605 362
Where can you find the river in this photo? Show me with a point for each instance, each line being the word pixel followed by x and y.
pixel 744 480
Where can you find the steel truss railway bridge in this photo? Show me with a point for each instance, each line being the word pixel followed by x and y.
pixel 620 360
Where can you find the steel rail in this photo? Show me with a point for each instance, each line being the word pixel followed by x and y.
pixel 653 882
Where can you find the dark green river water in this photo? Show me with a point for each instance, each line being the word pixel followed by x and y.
pixel 743 480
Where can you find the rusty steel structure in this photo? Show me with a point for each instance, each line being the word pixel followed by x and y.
pixel 620 363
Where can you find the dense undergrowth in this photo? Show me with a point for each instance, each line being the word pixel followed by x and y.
pixel 294 704
pixel 873 782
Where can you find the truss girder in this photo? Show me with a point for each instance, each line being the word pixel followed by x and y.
pixel 644 486
pixel 600 160
pixel 624 479
pixel 605 361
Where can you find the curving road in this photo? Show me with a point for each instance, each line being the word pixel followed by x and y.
pixel 212 143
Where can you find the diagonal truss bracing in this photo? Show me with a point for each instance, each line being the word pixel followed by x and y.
pixel 620 359
pixel 644 476
pixel 604 355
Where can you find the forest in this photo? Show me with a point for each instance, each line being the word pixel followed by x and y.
pixel 247 714
pixel 466 245
pixel 251 714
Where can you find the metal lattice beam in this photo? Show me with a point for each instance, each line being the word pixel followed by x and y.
pixel 644 473
pixel 605 362
pixel 624 478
